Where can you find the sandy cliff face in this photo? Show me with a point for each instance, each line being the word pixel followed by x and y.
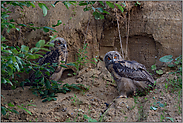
pixel 155 30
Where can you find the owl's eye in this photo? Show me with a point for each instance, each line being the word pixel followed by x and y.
pixel 109 58
pixel 58 43
pixel 115 57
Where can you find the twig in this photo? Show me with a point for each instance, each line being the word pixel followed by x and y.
pixel 120 37
pixel 127 35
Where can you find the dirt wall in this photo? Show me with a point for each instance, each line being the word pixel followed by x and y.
pixel 155 30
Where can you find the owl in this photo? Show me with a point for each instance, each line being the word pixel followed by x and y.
pixel 131 77
pixel 57 54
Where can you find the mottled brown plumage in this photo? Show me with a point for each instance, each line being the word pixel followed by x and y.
pixel 130 76
pixel 57 54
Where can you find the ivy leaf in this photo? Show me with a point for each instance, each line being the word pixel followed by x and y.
pixel 110 4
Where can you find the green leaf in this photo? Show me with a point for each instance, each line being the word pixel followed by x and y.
pixel 13 110
pixel 8 81
pixel 98 15
pixel 34 49
pixel 106 12
pixel 67 4
pixel 46 29
pixel 89 118
pixel 120 7
pixel 86 9
pixel 71 64
pixel 167 58
pixel 14 51
pixel 22 25
pixel 45 49
pixel 170 119
pixel 53 5
pixel 31 105
pixel 47 84
pixel 63 66
pixel 40 43
pixel 55 2
pixel 44 8
pixel 27 111
pixel 82 3
pixel 110 4
pixel 171 65
pixel 58 23
pixel 161 105
pixel 100 10
pixel 44 100
pixel 101 2
pixel 153 67
pixel 24 48
pixel 153 108
pixel 17 66
pixel 159 72
pixel 3 110
pixel 32 4
pixel 10 105
pixel 3 80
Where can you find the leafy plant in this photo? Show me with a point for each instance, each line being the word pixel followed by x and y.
pixel 82 59
pixel 98 12
pixel 17 60
pixel 170 62
pixel 89 119
pixel 11 108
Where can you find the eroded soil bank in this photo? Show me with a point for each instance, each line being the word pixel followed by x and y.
pixel 160 104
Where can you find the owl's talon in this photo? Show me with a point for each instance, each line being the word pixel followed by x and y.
pixel 125 104
pixel 122 96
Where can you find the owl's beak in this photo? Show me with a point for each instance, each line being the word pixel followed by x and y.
pixel 114 60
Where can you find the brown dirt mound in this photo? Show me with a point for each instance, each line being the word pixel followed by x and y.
pixel 158 105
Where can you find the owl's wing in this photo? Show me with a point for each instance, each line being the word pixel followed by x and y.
pixel 132 70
